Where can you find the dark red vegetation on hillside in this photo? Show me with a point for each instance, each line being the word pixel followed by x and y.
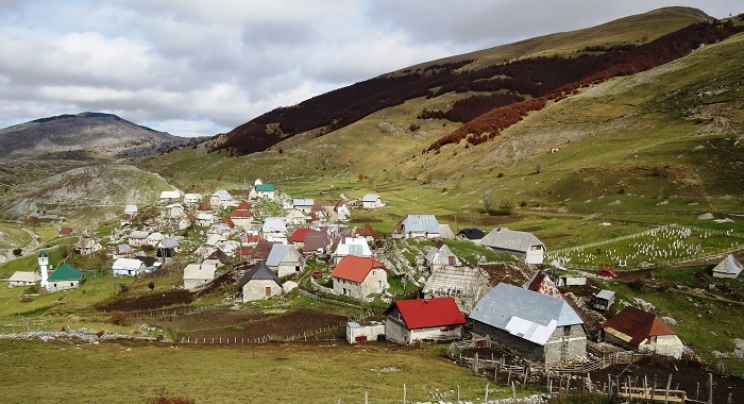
pixel 502 94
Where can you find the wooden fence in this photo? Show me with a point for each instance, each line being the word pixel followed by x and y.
pixel 312 335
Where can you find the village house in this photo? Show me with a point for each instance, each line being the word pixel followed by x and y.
pixel 174 211
pixel 316 242
pixel 153 239
pixel 130 210
pixel 298 237
pixel 303 205
pixel 530 324
pixel 128 267
pixel 137 238
pixel 633 328
pixel 220 199
pixel 123 251
pixel 295 217
pixel 182 223
pixel 262 250
pixel 521 244
pixel 192 198
pixel 285 260
pixel 367 232
pixel 440 256
pixel 170 196
pixel 216 259
pixel 361 331
pixel 464 284
pixel 540 282
pixel 471 234
pixel 728 268
pixel 87 245
pixel 259 283
pixel 242 216
pixel 319 212
pixel 356 246
pixel 24 278
pixel 195 275
pixel 65 277
pixel 372 201
pixel 343 212
pixel 437 319
pixel 263 191
pixel 359 277
pixel 167 248
pixel 603 300
pixel 415 226
pixel 206 219
pixel 274 229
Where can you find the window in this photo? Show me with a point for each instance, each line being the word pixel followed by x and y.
pixel 566 330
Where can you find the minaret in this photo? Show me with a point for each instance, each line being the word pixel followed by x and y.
pixel 44 269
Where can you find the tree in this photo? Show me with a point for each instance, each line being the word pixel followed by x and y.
pixel 506 206
pixel 32 222
pixel 487 201
pixel 17 252
pixel 151 285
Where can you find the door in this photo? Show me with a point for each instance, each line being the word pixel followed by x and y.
pixel 268 291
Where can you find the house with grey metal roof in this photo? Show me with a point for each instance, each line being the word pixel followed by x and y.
pixel 414 226
pixel 372 201
pixel 530 324
pixel 285 260
pixel 518 243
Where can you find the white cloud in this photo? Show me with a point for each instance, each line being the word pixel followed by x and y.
pixel 206 66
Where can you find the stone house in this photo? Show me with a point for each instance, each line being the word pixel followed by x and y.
pixel 285 260
pixel 633 328
pixel 437 319
pixel 137 238
pixel 259 283
pixel 346 246
pixel 359 278
pixel 521 244
pixel 221 199
pixel 439 257
pixel 195 275
pixel 530 324
pixel 464 284
pixel 87 245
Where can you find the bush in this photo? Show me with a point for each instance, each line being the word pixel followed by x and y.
pixel 118 319
pixel 17 252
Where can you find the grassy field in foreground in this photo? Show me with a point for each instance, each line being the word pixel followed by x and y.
pixel 70 372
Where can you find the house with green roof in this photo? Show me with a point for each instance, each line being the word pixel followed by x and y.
pixel 263 191
pixel 63 278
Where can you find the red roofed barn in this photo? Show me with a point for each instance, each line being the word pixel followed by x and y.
pixel 423 319
pixel 359 277
pixel 636 329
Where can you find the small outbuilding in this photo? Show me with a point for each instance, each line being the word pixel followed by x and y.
pixel 636 329
pixel 603 300
pixel 361 332
pixel 521 244
pixel 729 268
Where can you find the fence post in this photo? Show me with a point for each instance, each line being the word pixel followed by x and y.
pixel 710 388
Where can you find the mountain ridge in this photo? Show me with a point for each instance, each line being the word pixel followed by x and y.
pixel 95 133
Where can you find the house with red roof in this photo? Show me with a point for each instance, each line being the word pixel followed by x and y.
pixel 437 319
pixel 298 237
pixel 636 329
pixel 359 277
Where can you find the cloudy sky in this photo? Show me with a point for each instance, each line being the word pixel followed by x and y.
pixel 201 67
